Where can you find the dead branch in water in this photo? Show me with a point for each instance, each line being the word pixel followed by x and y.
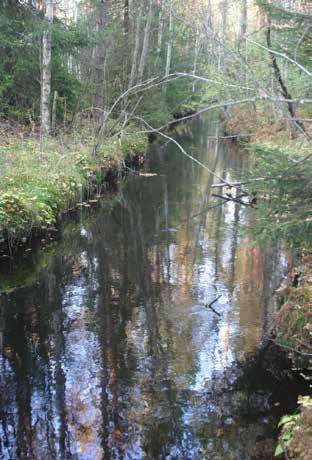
pixel 209 305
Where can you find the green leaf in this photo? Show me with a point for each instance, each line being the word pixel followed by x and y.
pixel 285 419
pixel 278 451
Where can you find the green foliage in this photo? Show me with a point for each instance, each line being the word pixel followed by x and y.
pixel 20 44
pixel 295 439
pixel 284 209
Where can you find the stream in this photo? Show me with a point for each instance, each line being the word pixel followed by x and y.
pixel 107 347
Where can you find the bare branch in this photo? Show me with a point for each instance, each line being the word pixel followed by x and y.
pixel 282 55
pixel 151 129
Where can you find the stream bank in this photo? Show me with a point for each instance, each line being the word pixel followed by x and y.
pixel 107 346
pixel 293 320
pixel 42 181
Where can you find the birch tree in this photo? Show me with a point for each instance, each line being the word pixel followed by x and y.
pixel 170 39
pixel 160 27
pixel 243 23
pixel 136 46
pixel 45 113
pixel 145 47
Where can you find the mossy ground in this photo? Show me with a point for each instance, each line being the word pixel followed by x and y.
pixel 40 181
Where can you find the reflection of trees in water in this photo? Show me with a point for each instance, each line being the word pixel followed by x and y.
pixel 113 351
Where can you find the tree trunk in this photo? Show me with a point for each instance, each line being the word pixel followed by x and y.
pixel 145 46
pixel 210 25
pixel 126 17
pixel 196 52
pixel 243 24
pixel 170 39
pixel 160 27
pixel 222 63
pixel 284 90
pixel 136 46
pixel 45 115
pixel 100 52
pixel 224 19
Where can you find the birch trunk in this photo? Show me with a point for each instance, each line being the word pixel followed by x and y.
pixel 136 47
pixel 242 40
pixel 45 115
pixel 169 46
pixel 224 19
pixel 210 25
pixel 145 46
pixel 196 51
pixel 160 27
pixel 243 24
pixel 223 62
pixel 100 53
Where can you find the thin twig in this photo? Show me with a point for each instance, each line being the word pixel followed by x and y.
pixel 209 305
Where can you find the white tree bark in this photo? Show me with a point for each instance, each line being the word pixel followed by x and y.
pixel 160 27
pixel 196 52
pixel 145 46
pixel 45 112
pixel 210 24
pixel 136 47
pixel 224 19
pixel 170 39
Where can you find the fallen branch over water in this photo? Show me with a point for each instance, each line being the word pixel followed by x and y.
pixel 232 198
pixel 237 184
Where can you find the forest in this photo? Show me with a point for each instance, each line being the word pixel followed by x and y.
pixel 99 101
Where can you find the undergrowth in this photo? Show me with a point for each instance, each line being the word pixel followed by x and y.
pixel 39 182
pixel 283 212
pixel 295 441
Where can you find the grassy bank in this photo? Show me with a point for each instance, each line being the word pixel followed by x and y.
pixel 284 212
pixel 39 182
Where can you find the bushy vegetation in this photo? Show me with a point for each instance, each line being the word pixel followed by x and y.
pixel 284 205
pixel 73 44
pixel 296 438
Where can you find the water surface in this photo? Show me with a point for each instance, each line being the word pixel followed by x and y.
pixel 107 350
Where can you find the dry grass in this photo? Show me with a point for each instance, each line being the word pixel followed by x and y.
pixel 264 125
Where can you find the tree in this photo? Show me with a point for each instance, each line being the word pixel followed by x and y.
pixel 45 112
pixel 170 39
pixel 145 47
pixel 100 54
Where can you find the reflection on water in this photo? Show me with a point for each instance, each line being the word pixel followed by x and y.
pixel 110 353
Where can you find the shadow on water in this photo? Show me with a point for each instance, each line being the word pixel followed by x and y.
pixel 107 351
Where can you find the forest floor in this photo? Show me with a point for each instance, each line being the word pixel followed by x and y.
pixel 39 181
pixel 293 323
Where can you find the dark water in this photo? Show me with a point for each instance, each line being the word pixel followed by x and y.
pixel 107 350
